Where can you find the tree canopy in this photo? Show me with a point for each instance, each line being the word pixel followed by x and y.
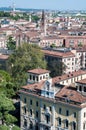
pixel 15 128
pixel 6 84
pixel 11 44
pixel 56 68
pixel 6 106
pixel 4 127
pixel 24 58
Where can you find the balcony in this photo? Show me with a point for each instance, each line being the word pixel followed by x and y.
pixel 25 116
pixel 59 128
pixel 45 123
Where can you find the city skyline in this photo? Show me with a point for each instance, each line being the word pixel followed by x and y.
pixel 62 4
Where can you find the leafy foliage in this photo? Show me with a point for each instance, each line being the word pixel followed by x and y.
pixel 35 18
pixel 11 44
pixel 6 84
pixel 4 127
pixel 26 57
pixel 15 128
pixel 4 14
pixel 6 105
pixel 56 68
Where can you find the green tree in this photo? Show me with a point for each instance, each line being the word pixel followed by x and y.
pixel 6 106
pixel 4 127
pixel 56 68
pixel 35 18
pixel 26 57
pixel 6 84
pixel 11 44
pixel 53 45
pixel 15 128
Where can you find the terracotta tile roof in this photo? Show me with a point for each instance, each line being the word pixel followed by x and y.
pixel 58 54
pixel 83 81
pixel 69 93
pixel 34 86
pixel 4 57
pixel 38 71
pixel 68 76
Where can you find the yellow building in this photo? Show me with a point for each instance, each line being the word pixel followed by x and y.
pixel 52 103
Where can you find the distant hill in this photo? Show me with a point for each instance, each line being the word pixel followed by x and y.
pixel 18 9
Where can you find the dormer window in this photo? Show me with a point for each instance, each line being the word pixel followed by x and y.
pixel 48 85
pixel 40 77
pixel 33 77
pixel 30 77
pixel 43 77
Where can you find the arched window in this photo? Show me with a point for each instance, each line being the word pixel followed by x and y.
pixel 25 122
pixel 47 118
pixel 80 88
pixel 59 121
pixel 31 112
pixel 31 125
pixel 84 89
pixel 66 123
pixel 74 125
pixel 25 100
pixel 25 110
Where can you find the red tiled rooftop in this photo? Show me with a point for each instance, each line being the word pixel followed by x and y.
pixel 68 76
pixel 38 71
pixel 3 57
pixel 71 94
pixel 34 86
pixel 83 81
pixel 58 54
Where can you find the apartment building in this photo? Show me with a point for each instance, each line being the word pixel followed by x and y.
pixel 52 103
pixel 72 59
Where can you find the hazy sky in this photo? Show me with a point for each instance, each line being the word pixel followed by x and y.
pixel 46 4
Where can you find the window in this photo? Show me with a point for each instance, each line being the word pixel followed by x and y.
pixel 37 103
pixel 25 122
pixel 43 77
pixel 25 100
pixel 37 114
pixel 84 114
pixel 31 125
pixel 80 88
pixel 74 114
pixel 30 77
pixel 37 78
pixel 31 112
pixel 25 110
pixel 40 77
pixel 30 102
pixel 33 77
pixel 48 93
pixel 84 89
pixel 66 124
pixel 74 126
pixel 67 113
pixel 60 110
pixel 50 108
pixel 47 118
pixel 44 106
pixel 59 122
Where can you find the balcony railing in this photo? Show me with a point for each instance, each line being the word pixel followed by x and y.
pixel 59 128
pixel 49 124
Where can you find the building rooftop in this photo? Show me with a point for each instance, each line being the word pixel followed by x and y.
pixel 68 76
pixel 58 54
pixel 4 57
pixel 39 71
pixel 70 94
pixel 83 81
